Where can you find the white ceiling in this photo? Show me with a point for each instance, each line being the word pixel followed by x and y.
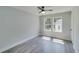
pixel 34 10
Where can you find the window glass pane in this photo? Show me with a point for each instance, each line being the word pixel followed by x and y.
pixel 53 24
pixel 58 24
pixel 48 21
pixel 48 27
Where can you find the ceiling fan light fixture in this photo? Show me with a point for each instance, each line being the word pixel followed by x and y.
pixel 43 12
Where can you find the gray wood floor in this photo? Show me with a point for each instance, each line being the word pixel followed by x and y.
pixel 43 44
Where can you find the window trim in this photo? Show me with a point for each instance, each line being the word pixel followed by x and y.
pixel 52 22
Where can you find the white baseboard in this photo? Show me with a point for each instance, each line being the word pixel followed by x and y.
pixel 8 47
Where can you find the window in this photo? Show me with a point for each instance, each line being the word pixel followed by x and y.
pixel 53 24
pixel 48 24
pixel 58 24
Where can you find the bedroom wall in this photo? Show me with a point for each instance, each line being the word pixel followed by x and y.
pixel 16 26
pixel 75 28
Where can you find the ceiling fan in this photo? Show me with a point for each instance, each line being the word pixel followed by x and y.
pixel 42 9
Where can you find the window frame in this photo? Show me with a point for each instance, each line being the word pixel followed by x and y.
pixel 47 24
pixel 52 22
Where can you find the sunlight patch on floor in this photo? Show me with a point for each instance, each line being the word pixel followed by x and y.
pixel 58 41
pixel 53 40
pixel 46 38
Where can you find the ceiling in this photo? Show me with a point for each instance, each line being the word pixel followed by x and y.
pixel 34 10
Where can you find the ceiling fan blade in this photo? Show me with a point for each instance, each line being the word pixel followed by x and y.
pixel 40 8
pixel 49 10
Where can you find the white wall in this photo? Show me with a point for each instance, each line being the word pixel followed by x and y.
pixel 75 28
pixel 16 26
pixel 66 34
